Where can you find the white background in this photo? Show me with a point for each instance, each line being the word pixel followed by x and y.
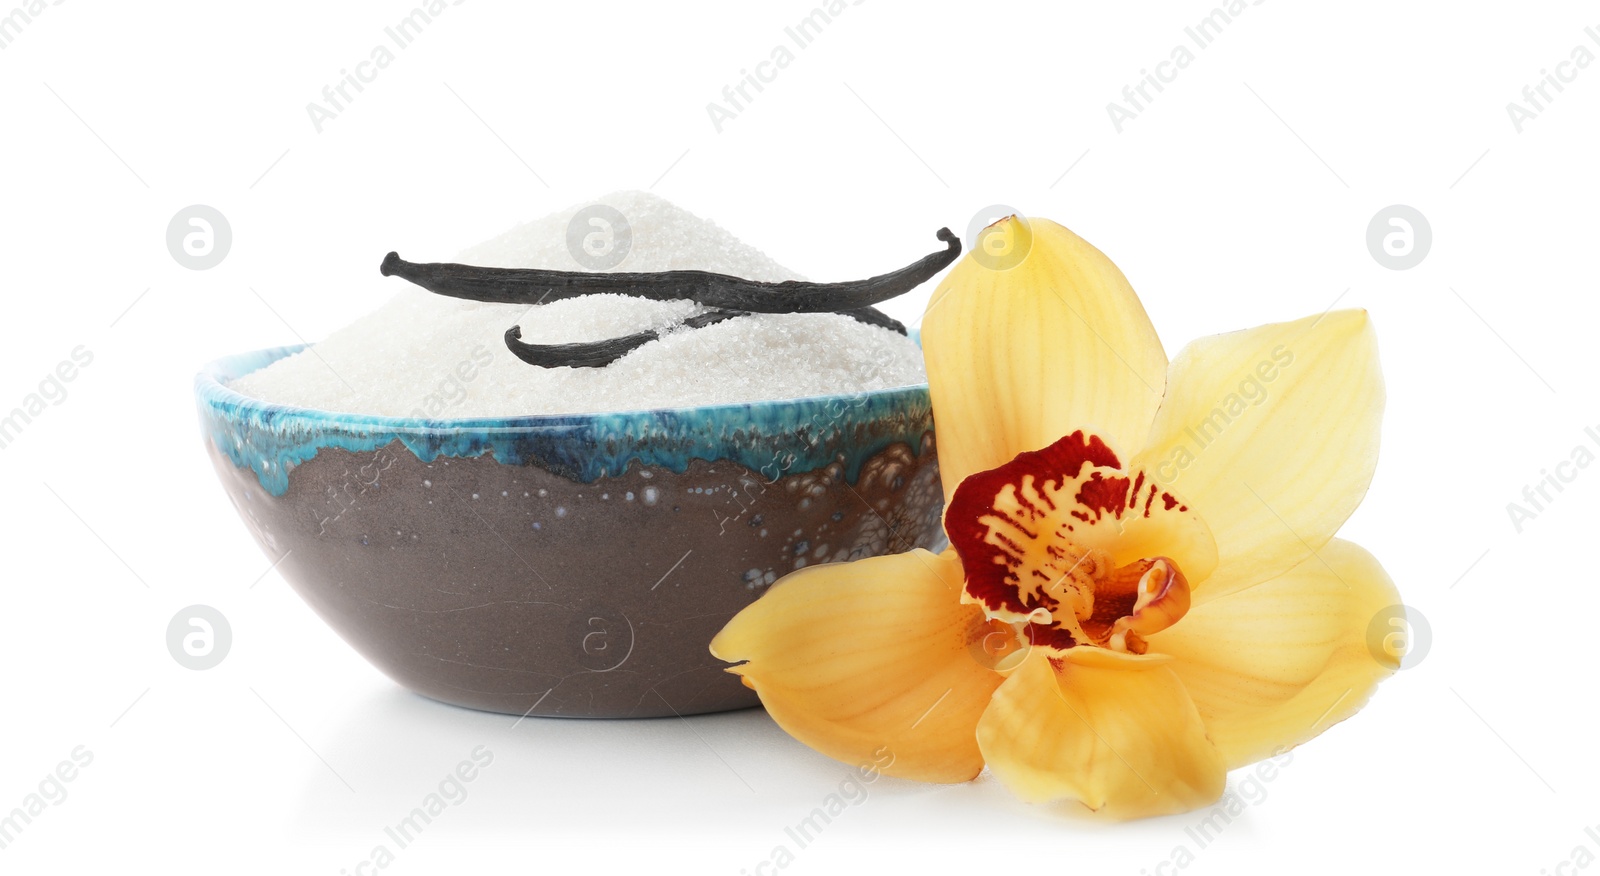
pixel 1241 195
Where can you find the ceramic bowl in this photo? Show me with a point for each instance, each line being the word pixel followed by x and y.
pixel 566 565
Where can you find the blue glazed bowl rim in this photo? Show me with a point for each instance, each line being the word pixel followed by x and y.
pixel 211 388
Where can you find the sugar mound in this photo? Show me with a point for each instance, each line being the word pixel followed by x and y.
pixel 425 355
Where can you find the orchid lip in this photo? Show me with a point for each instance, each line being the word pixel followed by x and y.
pixel 1070 549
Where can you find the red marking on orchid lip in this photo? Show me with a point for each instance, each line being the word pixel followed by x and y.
pixel 1138 484
pixel 1104 495
pixel 988 566
pixel 1050 636
pixel 1032 509
pixel 1015 522
pixel 1167 500
pixel 1149 499
pixel 1081 516
pixel 1010 543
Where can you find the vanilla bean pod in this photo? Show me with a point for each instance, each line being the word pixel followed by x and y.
pixel 598 354
pixel 533 286
pixel 874 316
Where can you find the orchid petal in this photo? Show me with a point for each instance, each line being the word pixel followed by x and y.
pixel 1272 665
pixel 1019 357
pixel 1272 434
pixel 874 663
pixel 1112 731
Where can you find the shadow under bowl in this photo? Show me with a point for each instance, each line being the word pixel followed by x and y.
pixel 567 565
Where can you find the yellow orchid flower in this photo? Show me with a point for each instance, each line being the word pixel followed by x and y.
pixel 1143 590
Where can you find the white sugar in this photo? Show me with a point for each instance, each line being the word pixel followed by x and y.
pixel 427 355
